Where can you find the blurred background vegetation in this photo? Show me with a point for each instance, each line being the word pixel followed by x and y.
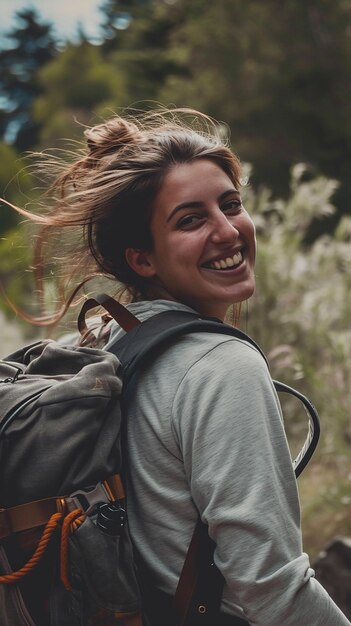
pixel 279 75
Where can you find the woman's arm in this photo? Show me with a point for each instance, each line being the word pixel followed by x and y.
pixel 229 425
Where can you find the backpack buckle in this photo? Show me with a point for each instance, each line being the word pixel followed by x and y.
pixel 88 499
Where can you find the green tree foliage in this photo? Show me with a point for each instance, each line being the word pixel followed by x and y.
pixel 76 85
pixel 137 38
pixel 31 45
pixel 118 16
pixel 284 97
pixel 86 81
pixel 15 185
pixel 278 73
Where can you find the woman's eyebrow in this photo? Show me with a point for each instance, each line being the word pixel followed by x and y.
pixel 196 204
pixel 184 205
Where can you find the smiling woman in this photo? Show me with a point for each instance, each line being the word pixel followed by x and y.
pixel 156 202
pixel 203 251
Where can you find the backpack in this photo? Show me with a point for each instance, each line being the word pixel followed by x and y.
pixel 66 556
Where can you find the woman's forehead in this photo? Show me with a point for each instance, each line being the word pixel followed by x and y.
pixel 193 181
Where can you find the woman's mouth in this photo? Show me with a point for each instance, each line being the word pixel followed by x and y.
pixel 226 263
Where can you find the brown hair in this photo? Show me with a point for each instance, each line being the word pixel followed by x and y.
pixel 107 193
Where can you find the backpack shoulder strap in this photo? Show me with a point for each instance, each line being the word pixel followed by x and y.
pixel 144 339
pixel 142 343
pixel 120 313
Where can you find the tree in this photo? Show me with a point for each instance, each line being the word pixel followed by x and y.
pixel 118 15
pixel 138 34
pixel 76 86
pixel 31 46
pixel 278 74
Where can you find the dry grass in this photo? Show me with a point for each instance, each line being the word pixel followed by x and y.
pixel 325 494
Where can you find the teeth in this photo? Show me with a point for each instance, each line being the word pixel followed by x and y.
pixel 228 262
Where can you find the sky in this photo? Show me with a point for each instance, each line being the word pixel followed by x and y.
pixel 65 15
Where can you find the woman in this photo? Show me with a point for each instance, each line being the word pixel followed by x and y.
pixel 161 208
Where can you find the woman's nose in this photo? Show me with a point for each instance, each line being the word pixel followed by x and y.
pixel 223 230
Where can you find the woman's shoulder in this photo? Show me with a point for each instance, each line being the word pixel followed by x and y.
pixel 213 351
pixel 197 357
pixel 199 351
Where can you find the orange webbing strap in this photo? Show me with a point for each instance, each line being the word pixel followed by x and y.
pixel 49 529
pixel 70 523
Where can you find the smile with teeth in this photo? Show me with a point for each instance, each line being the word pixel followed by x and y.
pixel 228 262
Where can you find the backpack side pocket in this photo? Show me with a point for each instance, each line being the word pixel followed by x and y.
pixel 102 574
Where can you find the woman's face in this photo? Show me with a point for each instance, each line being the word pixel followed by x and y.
pixel 204 241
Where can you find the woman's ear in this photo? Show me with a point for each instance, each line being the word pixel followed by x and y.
pixel 140 261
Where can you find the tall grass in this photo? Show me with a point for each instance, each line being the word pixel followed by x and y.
pixel 301 316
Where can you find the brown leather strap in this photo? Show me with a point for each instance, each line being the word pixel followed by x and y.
pixel 188 577
pixel 114 487
pixel 131 619
pixel 120 313
pixel 29 515
pixel 38 512
pixel 200 585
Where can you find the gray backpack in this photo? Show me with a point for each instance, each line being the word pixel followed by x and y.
pixel 66 557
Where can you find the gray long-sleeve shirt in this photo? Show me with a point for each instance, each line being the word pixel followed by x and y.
pixel 205 434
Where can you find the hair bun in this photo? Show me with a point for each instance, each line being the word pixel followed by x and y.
pixel 110 136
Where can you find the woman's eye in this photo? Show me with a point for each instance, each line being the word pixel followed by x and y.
pixel 188 221
pixel 233 206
